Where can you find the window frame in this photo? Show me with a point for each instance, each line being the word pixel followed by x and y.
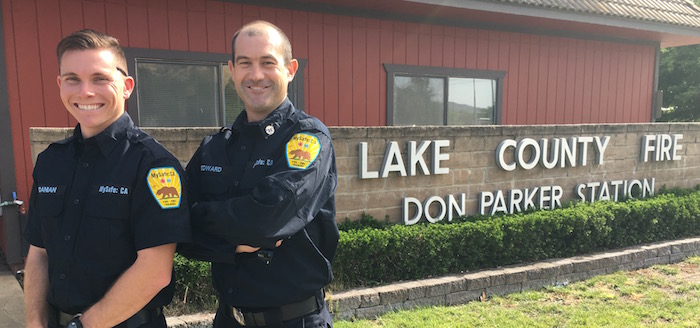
pixel 445 73
pixel 206 58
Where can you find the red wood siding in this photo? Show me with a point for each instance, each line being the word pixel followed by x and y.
pixel 549 80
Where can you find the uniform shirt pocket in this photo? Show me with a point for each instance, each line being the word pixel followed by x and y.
pixel 50 206
pixel 254 172
pixel 110 206
pixel 215 185
pixel 106 235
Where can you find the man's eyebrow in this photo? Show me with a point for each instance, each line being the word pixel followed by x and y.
pixel 266 57
pixel 94 74
pixel 240 58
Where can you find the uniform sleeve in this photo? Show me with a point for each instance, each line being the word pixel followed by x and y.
pixel 193 184
pixel 278 206
pixel 160 212
pixel 204 246
pixel 33 232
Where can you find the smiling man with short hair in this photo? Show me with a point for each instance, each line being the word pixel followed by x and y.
pixel 105 211
pixel 263 196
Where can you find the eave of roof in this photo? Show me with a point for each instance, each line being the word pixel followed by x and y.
pixel 667 23
pixel 673 12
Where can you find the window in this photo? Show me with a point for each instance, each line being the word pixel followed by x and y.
pixel 177 89
pixel 443 96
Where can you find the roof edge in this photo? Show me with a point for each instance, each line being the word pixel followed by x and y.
pixel 566 15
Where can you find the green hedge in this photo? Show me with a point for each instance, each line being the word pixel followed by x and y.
pixel 371 252
pixel 374 256
pixel 193 288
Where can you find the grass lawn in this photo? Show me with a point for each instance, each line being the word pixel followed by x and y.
pixel 660 296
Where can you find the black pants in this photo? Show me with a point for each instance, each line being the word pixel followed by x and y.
pixel 318 319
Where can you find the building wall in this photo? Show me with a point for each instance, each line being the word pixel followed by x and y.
pixel 472 161
pixel 549 79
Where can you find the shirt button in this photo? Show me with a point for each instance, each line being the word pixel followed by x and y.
pixel 243 147
pixel 86 164
pixel 235 183
pixel 76 201
pixel 62 276
pixel 230 291
pixel 66 237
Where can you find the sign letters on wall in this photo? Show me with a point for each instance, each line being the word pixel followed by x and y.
pixel 512 154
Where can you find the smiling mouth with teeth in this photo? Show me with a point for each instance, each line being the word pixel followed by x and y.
pixel 258 88
pixel 88 107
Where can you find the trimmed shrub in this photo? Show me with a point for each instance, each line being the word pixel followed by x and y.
pixel 193 288
pixel 370 256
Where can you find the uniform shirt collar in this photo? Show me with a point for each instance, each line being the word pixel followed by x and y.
pixel 109 137
pixel 275 119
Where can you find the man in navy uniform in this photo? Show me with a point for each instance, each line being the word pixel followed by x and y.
pixel 107 205
pixel 263 191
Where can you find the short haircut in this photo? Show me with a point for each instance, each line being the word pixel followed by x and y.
pixel 88 39
pixel 260 27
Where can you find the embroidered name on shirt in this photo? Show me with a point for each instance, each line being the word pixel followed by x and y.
pixel 113 190
pixel 210 168
pixel 47 189
pixel 263 162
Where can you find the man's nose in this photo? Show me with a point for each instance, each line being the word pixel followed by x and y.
pixel 256 72
pixel 86 89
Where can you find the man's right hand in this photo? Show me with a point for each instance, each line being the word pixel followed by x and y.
pixel 251 249
pixel 246 249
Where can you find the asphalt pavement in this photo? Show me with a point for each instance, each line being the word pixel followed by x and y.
pixel 11 298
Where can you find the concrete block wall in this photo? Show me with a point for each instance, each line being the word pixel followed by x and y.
pixel 181 142
pixel 368 303
pixel 472 161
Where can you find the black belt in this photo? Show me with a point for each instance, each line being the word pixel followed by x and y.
pixel 136 320
pixel 274 316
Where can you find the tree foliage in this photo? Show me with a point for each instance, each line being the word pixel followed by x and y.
pixel 679 78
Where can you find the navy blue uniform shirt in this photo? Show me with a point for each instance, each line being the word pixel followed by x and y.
pixel 255 184
pixel 95 202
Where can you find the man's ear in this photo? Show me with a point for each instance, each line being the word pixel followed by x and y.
pixel 292 68
pixel 128 86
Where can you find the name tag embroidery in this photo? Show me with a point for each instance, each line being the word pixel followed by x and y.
pixel 210 168
pixel 47 189
pixel 113 190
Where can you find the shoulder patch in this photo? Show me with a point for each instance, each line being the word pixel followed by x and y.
pixel 302 150
pixel 165 186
